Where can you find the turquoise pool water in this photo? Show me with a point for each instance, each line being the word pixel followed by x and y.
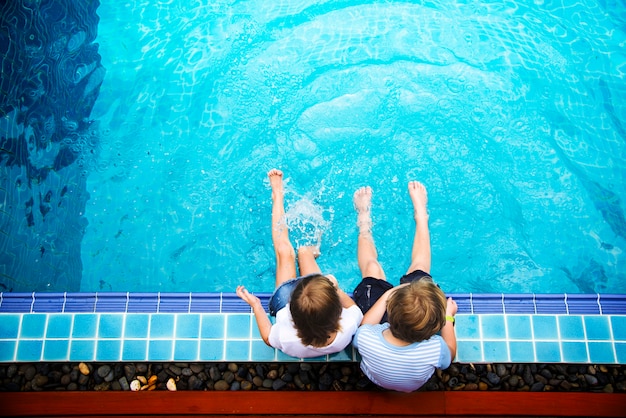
pixel 512 113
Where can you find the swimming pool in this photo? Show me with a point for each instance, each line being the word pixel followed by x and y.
pixel 511 113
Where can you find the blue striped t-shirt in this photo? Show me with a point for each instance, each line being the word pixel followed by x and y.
pixel 404 369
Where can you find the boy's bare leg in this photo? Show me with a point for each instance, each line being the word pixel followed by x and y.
pixel 285 253
pixel 307 260
pixel 420 254
pixel 367 255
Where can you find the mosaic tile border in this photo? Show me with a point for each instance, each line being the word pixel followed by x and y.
pixel 471 303
pixel 220 327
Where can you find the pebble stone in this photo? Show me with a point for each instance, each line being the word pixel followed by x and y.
pixel 296 376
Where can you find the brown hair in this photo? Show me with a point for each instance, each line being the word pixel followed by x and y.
pixel 315 309
pixel 416 312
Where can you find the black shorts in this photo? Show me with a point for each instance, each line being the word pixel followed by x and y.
pixel 370 289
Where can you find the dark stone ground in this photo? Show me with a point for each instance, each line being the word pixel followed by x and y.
pixel 305 376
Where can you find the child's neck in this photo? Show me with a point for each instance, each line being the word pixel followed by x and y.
pixel 329 341
pixel 389 337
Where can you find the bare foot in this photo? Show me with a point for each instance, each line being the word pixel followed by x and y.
pixel 276 182
pixel 419 197
pixel 363 204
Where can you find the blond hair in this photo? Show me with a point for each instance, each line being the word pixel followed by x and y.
pixel 315 309
pixel 417 311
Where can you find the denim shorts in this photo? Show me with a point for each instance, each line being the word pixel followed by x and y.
pixel 280 297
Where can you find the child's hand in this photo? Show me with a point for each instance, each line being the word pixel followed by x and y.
pixel 333 280
pixel 252 300
pixel 451 307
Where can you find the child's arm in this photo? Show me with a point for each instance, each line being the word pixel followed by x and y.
pixel 262 321
pixel 447 332
pixel 376 312
pixel 346 301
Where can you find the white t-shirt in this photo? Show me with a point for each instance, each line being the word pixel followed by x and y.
pixel 284 336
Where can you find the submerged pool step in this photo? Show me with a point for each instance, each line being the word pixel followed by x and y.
pixel 220 327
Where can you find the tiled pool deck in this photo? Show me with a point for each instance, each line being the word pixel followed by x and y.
pixel 516 328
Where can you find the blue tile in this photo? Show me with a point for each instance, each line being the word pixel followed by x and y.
pixel 211 350
pixel 618 323
pixel 467 327
pixel 16 302
pixel 519 304
pixel 108 350
pixel 574 352
pixel 159 350
pixel 262 351
pixel 187 326
pixel 469 351
pixel 213 326
pixel 59 326
pixel 493 327
pixel 463 302
pixel 238 326
pixel 233 303
pixel 613 304
pixel 174 302
pixel 323 358
pixel 84 350
pixel 571 327
pixel 256 334
pixel 185 350
pixel 488 303
pixel 522 351
pixel 7 350
pixel 80 302
pixel 111 302
pixel 85 326
pixel 29 350
pixel 135 350
pixel 33 326
pixel 620 352
pixel 136 325
pixel 597 327
pixel 280 356
pixel 238 350
pixel 49 302
pixel 205 302
pixel 549 352
pixel 142 302
pixel 519 327
pixel 9 326
pixel 544 327
pixel 550 304
pixel 601 352
pixel 583 304
pixel 496 351
pixel 111 325
pixel 343 355
pixel 56 350
pixel 162 326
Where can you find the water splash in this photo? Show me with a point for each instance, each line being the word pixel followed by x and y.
pixel 307 223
